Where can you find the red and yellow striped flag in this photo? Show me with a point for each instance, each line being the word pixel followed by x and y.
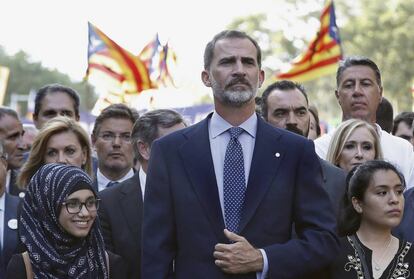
pixel 324 52
pixel 115 71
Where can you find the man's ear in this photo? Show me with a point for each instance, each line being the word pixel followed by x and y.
pixel 144 150
pixel 261 78
pixel 205 77
pixel 337 95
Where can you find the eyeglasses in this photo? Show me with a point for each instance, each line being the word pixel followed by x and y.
pixel 110 137
pixel 75 206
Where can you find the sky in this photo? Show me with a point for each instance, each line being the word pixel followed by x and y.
pixel 54 32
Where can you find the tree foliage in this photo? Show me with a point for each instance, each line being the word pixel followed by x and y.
pixel 26 76
pixel 379 30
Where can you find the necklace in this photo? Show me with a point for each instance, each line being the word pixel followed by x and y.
pixel 377 265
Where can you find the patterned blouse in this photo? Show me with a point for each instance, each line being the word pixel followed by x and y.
pixel 355 261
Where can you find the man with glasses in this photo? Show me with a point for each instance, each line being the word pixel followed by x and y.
pixel 111 138
pixel 121 208
pixel 11 132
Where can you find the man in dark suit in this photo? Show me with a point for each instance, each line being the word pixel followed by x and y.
pixel 120 211
pixel 285 105
pixel 222 195
pixel 8 218
pixel 111 138
pixel 11 132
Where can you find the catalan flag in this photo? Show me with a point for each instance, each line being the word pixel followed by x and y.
pixel 158 59
pixel 4 78
pixel 113 70
pixel 324 52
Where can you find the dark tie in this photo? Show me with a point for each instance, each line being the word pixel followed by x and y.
pixel 234 186
pixel 111 183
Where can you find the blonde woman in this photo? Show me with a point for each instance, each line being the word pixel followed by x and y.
pixel 354 142
pixel 61 140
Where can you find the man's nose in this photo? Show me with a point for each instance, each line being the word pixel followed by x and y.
pixel 291 119
pixel 357 89
pixel 21 143
pixel 239 68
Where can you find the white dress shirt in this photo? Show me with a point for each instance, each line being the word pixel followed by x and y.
pixel 103 181
pixel 219 138
pixel 395 150
pixel 2 211
pixel 142 180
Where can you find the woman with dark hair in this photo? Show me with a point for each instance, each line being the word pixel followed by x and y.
pixel 372 206
pixel 59 229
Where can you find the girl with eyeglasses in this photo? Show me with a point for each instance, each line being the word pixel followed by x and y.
pixel 59 229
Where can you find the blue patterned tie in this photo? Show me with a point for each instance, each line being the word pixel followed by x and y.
pixel 234 186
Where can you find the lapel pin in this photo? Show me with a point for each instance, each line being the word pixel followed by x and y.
pixel 22 194
pixel 277 154
pixel 12 224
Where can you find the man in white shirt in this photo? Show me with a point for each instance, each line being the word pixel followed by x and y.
pixel 120 211
pixel 111 138
pixel 359 92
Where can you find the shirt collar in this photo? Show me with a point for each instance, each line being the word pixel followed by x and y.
pixel 102 180
pixel 218 125
pixel 3 201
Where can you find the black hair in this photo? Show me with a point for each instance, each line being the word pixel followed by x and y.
pixel 228 34
pixel 146 127
pixel 357 61
pixel 357 182
pixel 385 115
pixel 119 111
pixel 406 116
pixel 280 85
pixel 55 88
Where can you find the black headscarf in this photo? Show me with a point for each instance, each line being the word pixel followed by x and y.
pixel 53 252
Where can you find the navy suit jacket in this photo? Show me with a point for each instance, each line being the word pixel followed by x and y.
pixel 334 183
pixel 120 214
pixel 13 189
pixel 405 228
pixel 10 239
pixel 183 220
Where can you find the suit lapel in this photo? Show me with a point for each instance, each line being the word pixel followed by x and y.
pixel 131 204
pixel 198 162
pixel 10 235
pixel 267 156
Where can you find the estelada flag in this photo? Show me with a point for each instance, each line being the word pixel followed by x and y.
pixel 324 52
pixel 158 60
pixel 114 70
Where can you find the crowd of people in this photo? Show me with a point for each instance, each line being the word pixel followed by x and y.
pixel 252 191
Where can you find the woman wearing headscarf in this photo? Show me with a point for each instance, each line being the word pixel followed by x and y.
pixel 59 229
